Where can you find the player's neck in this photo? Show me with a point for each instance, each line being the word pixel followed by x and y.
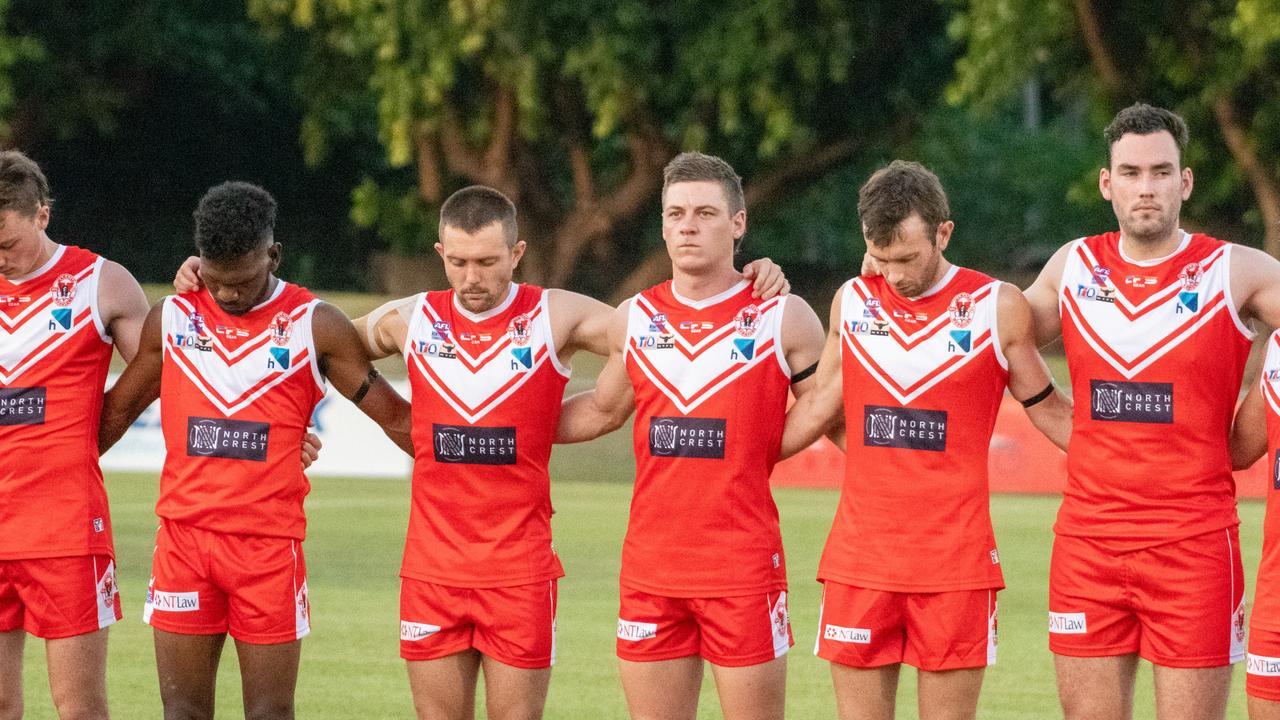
pixel 700 286
pixel 47 249
pixel 1143 248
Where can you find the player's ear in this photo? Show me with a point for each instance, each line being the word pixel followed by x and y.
pixel 517 252
pixel 274 253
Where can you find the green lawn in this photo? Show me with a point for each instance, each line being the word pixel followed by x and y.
pixel 350 666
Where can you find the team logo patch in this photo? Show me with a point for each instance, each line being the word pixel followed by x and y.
pixel 778 614
pixel 687 437
pixel 748 321
pixel 281 328
pixel 63 290
pixel 635 631
pixel 107 586
pixel 872 309
pixel 464 444
pixel 60 319
pixel 961 310
pixel 22 406
pixel 1100 275
pixel 906 428
pixel 224 438
pixel 1067 623
pixel 1116 401
pixel 1190 276
pixel 519 329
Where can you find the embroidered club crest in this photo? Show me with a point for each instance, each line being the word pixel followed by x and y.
pixel 63 290
pixel 961 310
pixel 1191 276
pixel 748 321
pixel 281 328
pixel 519 329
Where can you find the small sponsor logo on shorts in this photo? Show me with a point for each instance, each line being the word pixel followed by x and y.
pixel 22 406
pixel 635 631
pixel 837 633
pixel 1116 401
pixel 995 556
pixel 776 560
pixel 413 632
pixel 1067 623
pixel 1262 665
pixel 99 525
pixel 174 601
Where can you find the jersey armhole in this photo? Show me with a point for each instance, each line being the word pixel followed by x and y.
pixel 996 345
pixel 1248 332
pixel 1074 248
pixel 779 350
pixel 552 351
pixel 95 305
pixel 406 349
pixel 310 315
pixel 633 305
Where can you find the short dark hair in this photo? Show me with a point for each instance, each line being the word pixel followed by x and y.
pixel 1143 119
pixel 234 219
pixel 895 192
pixel 697 167
pixel 474 208
pixel 23 186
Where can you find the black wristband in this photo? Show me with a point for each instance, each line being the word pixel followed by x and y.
pixel 364 386
pixel 805 373
pixel 1039 397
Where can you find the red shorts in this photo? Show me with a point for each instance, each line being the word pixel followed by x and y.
pixel 867 628
pixel 513 625
pixel 1180 604
pixel 209 583
pixel 58 597
pixel 727 631
pixel 1262 667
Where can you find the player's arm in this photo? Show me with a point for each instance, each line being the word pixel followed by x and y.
pixel 345 363
pixel 1042 296
pixel 138 387
pixel 1030 382
pixel 187 278
pixel 1249 431
pixel 767 278
pixel 384 330
pixel 819 397
pixel 1255 284
pixel 607 406
pixel 123 307
pixel 578 323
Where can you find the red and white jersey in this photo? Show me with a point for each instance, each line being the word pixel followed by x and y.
pixel 236 395
pixel 54 354
pixel 711 386
pixel 923 380
pixel 1156 351
pixel 1266 603
pixel 486 402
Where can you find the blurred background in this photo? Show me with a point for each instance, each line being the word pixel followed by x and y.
pixel 362 115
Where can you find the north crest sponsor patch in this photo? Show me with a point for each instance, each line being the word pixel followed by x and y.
pixel 906 428
pixel 224 438
pixel 465 444
pixel 1118 401
pixel 22 406
pixel 687 437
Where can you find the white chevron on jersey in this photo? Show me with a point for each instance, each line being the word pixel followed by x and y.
pixel 233 379
pixel 690 373
pixel 906 364
pixel 1271 373
pixel 475 385
pixel 1131 337
pixel 34 333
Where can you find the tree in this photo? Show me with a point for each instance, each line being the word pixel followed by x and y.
pixel 1215 61
pixel 572 107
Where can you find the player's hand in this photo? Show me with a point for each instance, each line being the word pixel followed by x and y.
pixel 768 277
pixel 310 449
pixel 869 266
pixel 188 277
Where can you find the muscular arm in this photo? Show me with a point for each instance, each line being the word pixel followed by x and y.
pixel 819 398
pixel 1042 296
pixel 1255 285
pixel 123 307
pixel 578 323
pixel 138 387
pixel 606 407
pixel 383 331
pixel 1249 431
pixel 345 363
pixel 1028 375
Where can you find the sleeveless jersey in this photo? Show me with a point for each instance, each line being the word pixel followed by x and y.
pixel 1156 352
pixel 923 380
pixel 54 354
pixel 486 401
pixel 1266 605
pixel 711 386
pixel 236 395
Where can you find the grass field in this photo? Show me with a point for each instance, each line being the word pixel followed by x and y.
pixel 350 666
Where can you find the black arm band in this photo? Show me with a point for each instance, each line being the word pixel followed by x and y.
pixel 1039 397
pixel 804 374
pixel 364 386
